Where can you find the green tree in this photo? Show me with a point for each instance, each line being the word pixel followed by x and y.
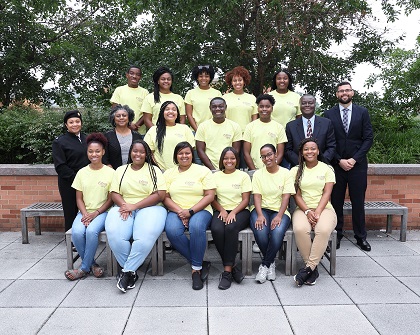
pixel 75 47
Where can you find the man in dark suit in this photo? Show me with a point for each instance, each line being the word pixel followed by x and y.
pixel 306 126
pixel 354 137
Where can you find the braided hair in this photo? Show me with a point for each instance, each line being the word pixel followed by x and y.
pixel 301 160
pixel 161 124
pixel 149 160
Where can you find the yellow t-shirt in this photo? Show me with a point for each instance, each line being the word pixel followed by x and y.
pixel 133 97
pixel 286 107
pixel 149 106
pixel 259 133
pixel 218 136
pixel 200 100
pixel 136 185
pixel 187 188
pixel 229 188
pixel 174 135
pixel 313 183
pixel 272 186
pixel 94 185
pixel 240 108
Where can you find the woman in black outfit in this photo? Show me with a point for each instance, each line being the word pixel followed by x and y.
pixel 121 137
pixel 69 156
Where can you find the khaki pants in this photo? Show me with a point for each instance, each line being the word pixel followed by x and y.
pixel 312 251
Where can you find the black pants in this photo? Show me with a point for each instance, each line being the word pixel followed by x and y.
pixel 356 180
pixel 68 199
pixel 226 236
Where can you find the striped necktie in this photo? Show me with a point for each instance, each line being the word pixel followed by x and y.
pixel 346 120
pixel 309 129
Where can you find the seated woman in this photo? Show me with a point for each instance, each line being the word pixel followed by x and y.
pixel 190 191
pixel 272 187
pixel 137 190
pixel 314 182
pixel 233 189
pixel 93 200
pixel 121 137
pixel 167 133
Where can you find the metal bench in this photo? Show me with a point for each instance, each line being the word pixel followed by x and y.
pixel 37 210
pixel 389 208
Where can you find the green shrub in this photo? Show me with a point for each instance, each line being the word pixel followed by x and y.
pixel 26 135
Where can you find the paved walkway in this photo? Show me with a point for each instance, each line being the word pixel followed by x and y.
pixel 372 293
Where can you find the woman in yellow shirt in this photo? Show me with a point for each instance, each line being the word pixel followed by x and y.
pixel 272 187
pixel 167 133
pixel 233 190
pixel 314 181
pixel 190 191
pixel 92 185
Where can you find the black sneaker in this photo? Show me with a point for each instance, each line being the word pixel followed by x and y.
pixel 132 281
pixel 237 274
pixel 225 280
pixel 302 276
pixel 312 278
pixel 197 283
pixel 123 281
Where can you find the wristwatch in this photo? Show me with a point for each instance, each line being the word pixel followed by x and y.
pixel 191 212
pixel 307 211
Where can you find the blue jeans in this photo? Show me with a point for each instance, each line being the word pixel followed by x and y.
pixel 85 239
pixel 269 241
pixel 144 226
pixel 192 249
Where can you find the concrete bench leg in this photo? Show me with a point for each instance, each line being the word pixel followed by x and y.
pixel 24 225
pixel 37 225
pixel 70 265
pixel 403 231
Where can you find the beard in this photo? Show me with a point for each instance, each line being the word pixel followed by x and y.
pixel 345 100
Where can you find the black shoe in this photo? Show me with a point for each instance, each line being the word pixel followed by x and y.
pixel 205 270
pixel 225 280
pixel 132 281
pixel 363 244
pixel 123 281
pixel 338 244
pixel 312 278
pixel 197 283
pixel 237 274
pixel 302 276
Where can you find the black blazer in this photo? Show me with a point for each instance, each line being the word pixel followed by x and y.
pixel 113 150
pixel 357 142
pixel 323 132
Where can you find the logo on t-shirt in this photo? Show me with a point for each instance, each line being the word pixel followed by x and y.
pixel 320 177
pixel 272 135
pixel 227 136
pixel 189 183
pixel 236 186
pixel 102 184
pixel 143 182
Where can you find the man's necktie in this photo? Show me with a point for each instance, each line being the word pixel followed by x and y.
pixel 346 120
pixel 309 129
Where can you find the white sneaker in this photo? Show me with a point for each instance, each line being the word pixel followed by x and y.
pixel 255 247
pixel 271 273
pixel 261 276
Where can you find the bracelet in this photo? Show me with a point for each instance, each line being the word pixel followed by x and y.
pixel 99 213
pixel 307 211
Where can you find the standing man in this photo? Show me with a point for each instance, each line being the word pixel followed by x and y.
pixel 354 137
pixel 309 125
pixel 216 134
pixel 132 95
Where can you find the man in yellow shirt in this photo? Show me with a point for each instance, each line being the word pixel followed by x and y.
pixel 216 134
pixel 132 95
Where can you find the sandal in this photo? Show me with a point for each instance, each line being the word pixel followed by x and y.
pixel 75 274
pixel 97 271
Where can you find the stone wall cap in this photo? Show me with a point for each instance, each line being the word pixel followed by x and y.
pixel 27 170
pixel 394 169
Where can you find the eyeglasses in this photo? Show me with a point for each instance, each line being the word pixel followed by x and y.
pixel 267 156
pixel 205 67
pixel 347 90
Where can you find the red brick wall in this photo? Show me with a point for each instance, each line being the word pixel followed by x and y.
pixel 17 191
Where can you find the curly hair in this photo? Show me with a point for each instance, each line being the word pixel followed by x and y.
pixel 199 69
pixel 268 97
pixel 239 71
pixel 97 138
pixel 161 124
pixel 273 82
pixel 156 75
pixel 125 108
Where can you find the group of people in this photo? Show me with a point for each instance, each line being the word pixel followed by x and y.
pixel 153 172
